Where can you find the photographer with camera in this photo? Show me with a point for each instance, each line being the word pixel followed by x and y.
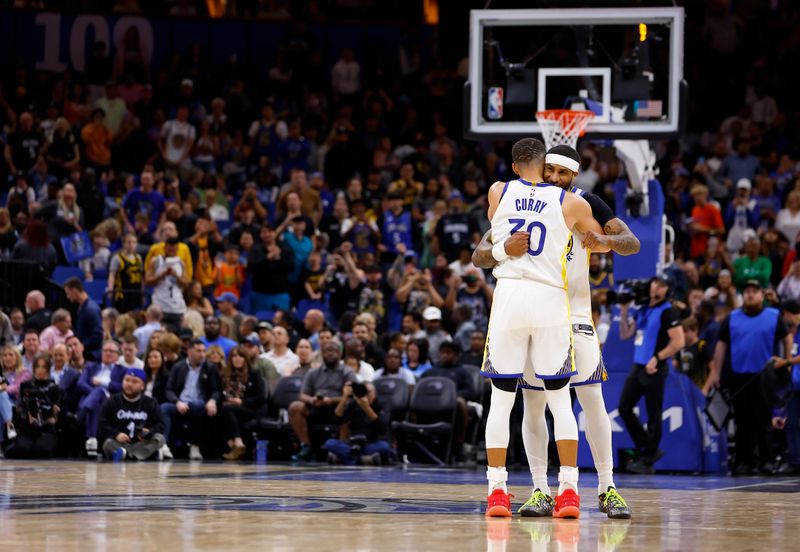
pixel 319 396
pixel 37 412
pixel 659 336
pixel 130 421
pixel 363 431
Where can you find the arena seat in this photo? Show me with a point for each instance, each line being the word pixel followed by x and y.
pixel 275 425
pixel 305 305
pixel 393 393
pixel 430 419
pixel 63 273
pixel 265 315
pixel 96 290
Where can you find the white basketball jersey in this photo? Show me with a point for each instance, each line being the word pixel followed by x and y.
pixel 167 294
pixel 536 209
pixel 580 293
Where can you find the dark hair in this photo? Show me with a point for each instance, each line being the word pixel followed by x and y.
pixel 195 342
pixel 451 346
pixel 74 283
pixel 32 331
pixel 36 233
pixel 172 241
pixel 228 369
pixel 147 369
pixel 422 345
pixel 130 339
pixel 527 151
pixel 417 317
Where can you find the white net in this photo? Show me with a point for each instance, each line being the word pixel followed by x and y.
pixel 562 126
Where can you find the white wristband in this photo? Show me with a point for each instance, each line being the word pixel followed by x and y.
pixel 499 251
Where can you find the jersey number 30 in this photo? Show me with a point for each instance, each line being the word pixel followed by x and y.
pixel 539 240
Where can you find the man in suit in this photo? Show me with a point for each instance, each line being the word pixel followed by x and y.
pixel 98 381
pixel 193 392
pixel 89 323
pixel 66 377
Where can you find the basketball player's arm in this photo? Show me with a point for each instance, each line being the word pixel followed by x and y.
pixel 482 256
pixel 514 246
pixel 618 238
pixel 579 218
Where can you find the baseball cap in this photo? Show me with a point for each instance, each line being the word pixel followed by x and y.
pixel 187 82
pixel 227 296
pixel 264 325
pixel 432 313
pixel 455 194
pixel 744 184
pixel 252 339
pixel 185 333
pixel 752 283
pixel 662 279
pixel 136 373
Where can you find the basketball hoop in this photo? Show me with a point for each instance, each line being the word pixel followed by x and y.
pixel 562 126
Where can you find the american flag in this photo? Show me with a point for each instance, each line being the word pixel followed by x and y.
pixel 648 108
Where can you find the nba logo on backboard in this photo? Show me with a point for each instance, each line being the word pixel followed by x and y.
pixel 495 108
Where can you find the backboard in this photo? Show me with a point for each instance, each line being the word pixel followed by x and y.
pixel 624 64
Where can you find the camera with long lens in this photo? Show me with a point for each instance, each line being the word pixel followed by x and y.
pixel 359 390
pixel 636 291
pixel 37 405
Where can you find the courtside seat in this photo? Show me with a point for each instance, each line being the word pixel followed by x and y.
pixel 393 394
pixel 431 417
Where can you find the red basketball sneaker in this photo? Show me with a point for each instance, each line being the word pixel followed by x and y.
pixel 568 505
pixel 499 504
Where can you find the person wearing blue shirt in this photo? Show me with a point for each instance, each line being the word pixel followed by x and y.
pixel 659 336
pixel 300 244
pixel 748 338
pixel 212 330
pixel 741 164
pixel 396 226
pixel 89 321
pixel 294 150
pixel 143 200
pixel 317 183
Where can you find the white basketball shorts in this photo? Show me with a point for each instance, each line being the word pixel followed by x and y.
pixel 588 360
pixel 529 324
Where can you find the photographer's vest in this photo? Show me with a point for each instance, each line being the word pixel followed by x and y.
pixel 648 326
pixel 752 340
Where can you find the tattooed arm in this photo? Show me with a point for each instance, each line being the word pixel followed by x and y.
pixel 617 236
pixel 482 256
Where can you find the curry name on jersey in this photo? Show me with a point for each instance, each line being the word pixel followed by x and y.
pixel 536 209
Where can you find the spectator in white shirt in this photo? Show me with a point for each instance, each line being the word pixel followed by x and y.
pixel 130 348
pixel 346 75
pixel 177 139
pixel 280 355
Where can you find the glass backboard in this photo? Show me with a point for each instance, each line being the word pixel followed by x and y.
pixel 624 64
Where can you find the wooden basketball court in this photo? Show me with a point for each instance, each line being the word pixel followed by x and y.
pixel 79 506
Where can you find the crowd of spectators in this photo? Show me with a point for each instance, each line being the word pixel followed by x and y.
pixel 263 217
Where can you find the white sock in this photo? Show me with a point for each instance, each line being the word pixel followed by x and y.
pixel 535 437
pixel 567 479
pixel 497 478
pixel 598 434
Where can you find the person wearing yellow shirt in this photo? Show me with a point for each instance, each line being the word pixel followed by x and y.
pixel 169 230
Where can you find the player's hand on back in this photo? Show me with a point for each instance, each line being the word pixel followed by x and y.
pixel 517 244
